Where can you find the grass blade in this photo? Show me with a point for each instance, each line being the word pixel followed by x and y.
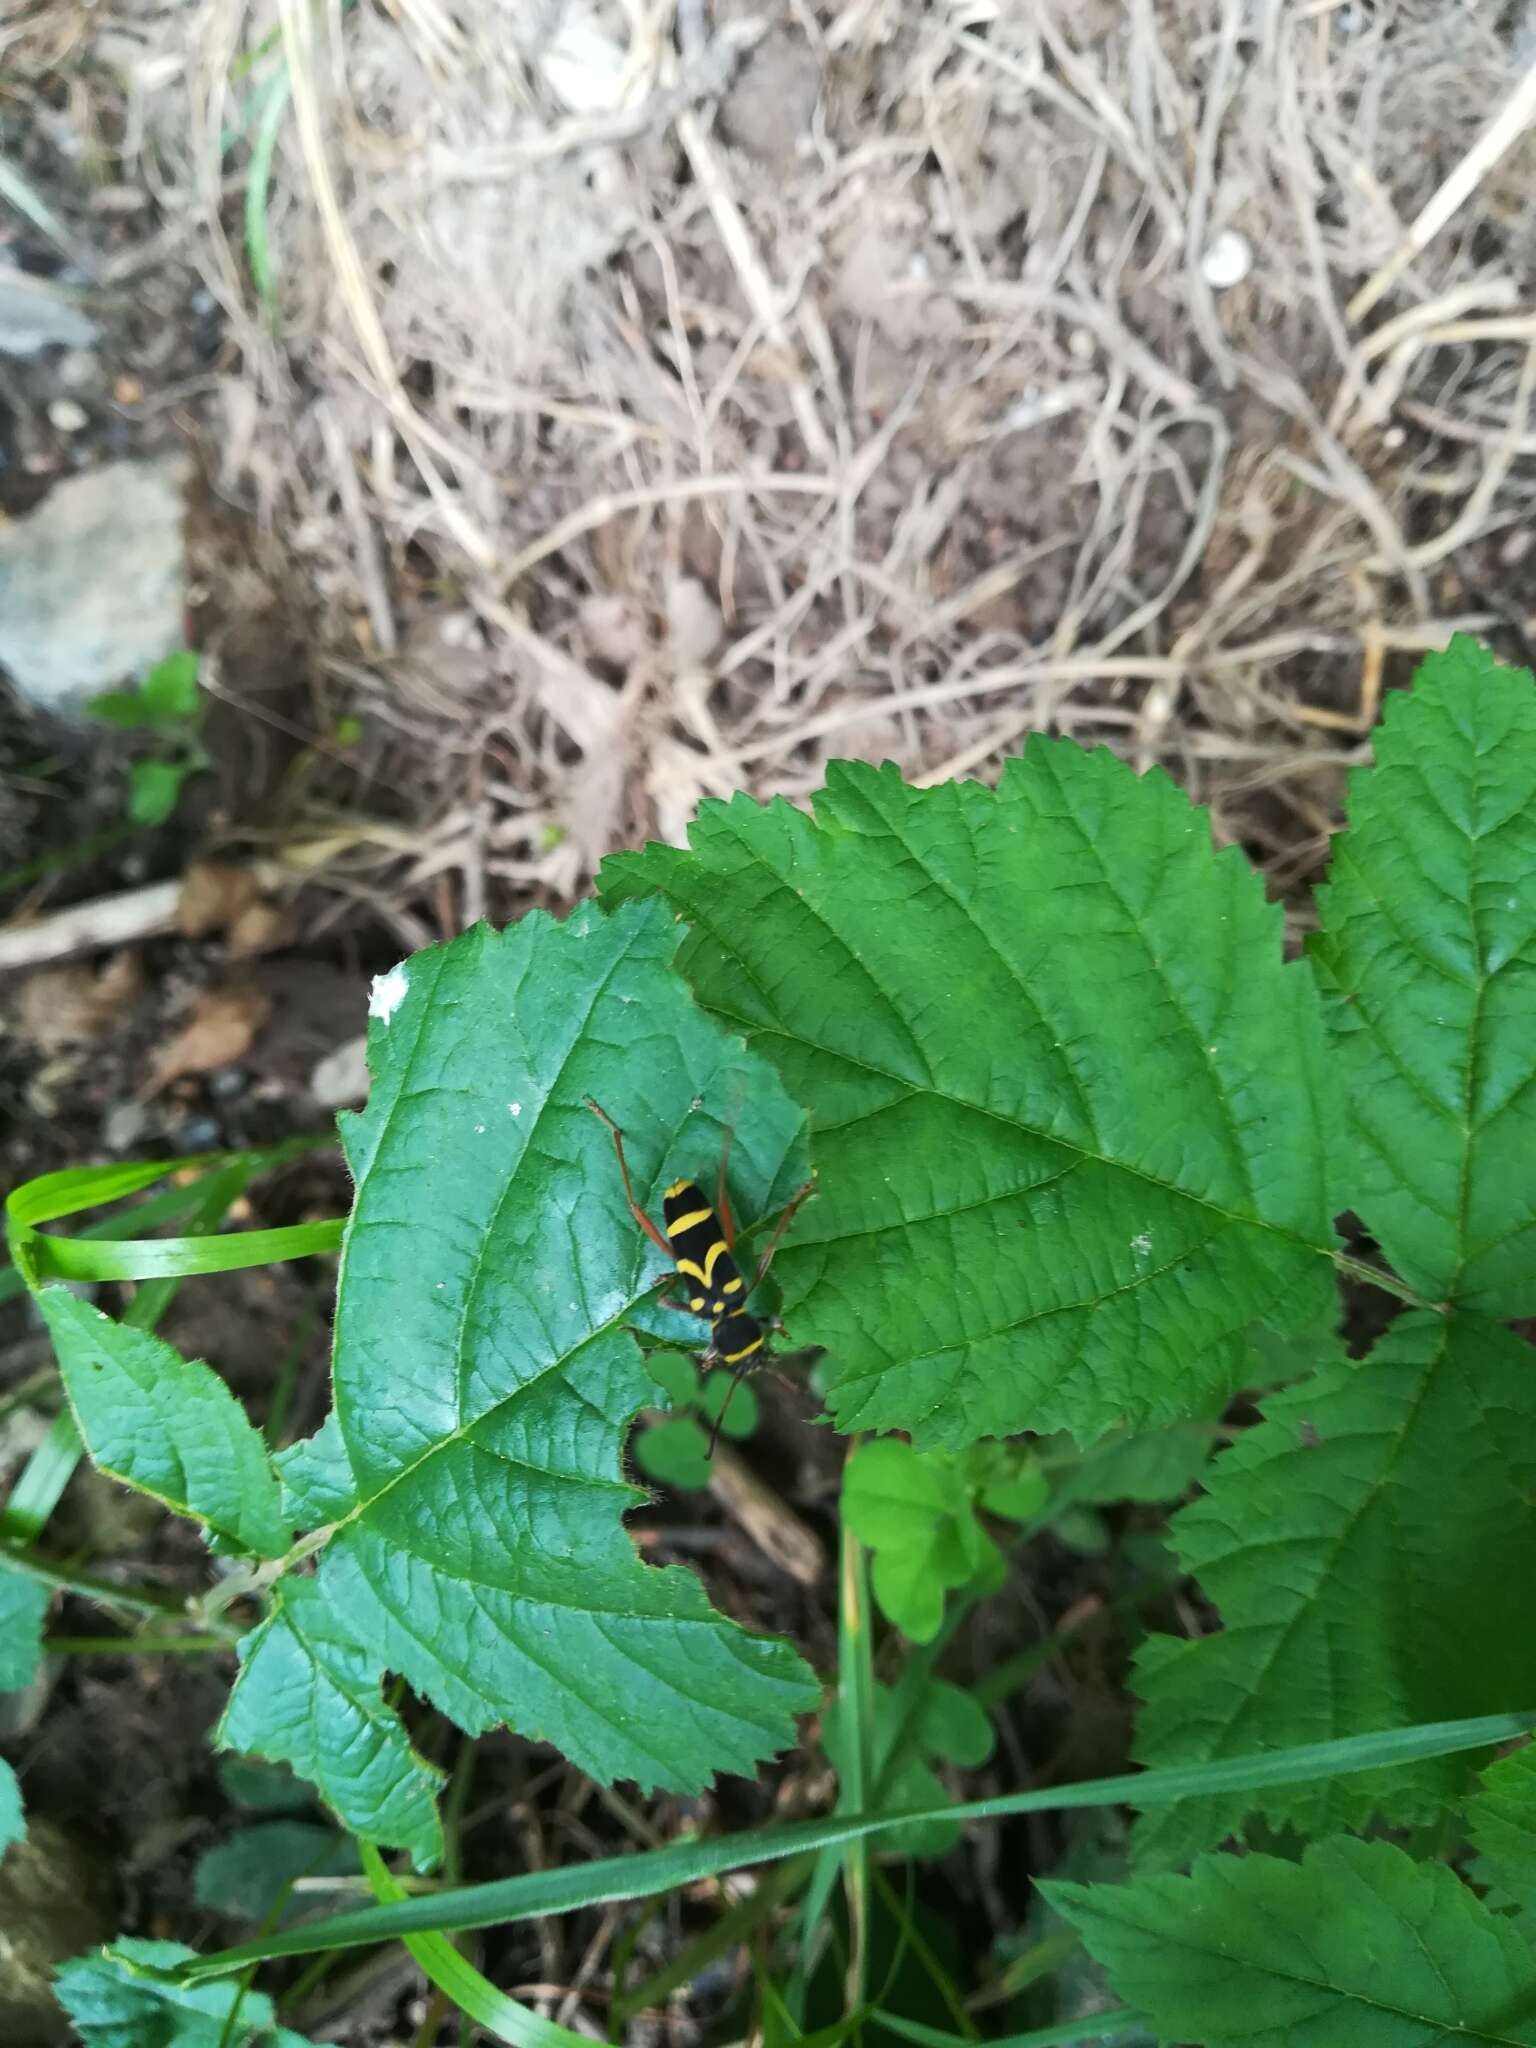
pixel 636 1877
pixel 462 1982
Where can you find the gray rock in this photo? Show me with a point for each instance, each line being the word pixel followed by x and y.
pixel 342 1076
pixel 35 315
pixel 92 582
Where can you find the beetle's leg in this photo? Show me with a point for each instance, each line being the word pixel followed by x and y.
pixel 786 1217
pixel 635 1209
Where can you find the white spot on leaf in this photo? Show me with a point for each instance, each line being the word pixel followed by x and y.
pixel 388 992
pixel 516 1108
pixel 1142 1244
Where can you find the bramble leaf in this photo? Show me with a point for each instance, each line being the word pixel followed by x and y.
pixel 23 1604
pixel 1370 1546
pixel 247 1873
pixel 115 2003
pixel 308 1694
pixel 166 1425
pixel 484 1377
pixel 1357 1943
pixel 1502 1818
pixel 1428 954
pixel 13 1824
pixel 1068 1101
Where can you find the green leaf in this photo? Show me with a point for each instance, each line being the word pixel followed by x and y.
pixel 13 1825
pixel 262 1787
pixel 1428 952
pixel 247 1873
pixel 316 1478
pixel 1069 1102
pixel 1370 1546
pixel 1355 1944
pixel 308 1694
pixel 165 1425
pixel 153 789
pixel 674 1453
pixel 913 1509
pixel 947 1727
pixel 676 1374
pixel 115 2004
pixel 23 1603
pixel 170 689
pixel 1156 1467
pixel 484 1379
pixel 474 1995
pixel 1502 1817
pixel 741 1417
pixel 124 709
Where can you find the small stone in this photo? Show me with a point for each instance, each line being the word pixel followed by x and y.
pixel 342 1076
pixel 78 368
pixel 91 582
pixel 1227 261
pixel 69 415
pixel 123 1125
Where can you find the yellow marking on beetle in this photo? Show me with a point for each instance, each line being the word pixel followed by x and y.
pixel 696 1303
pixel 718 1250
pixel 694 1271
pixel 735 1284
pixel 681 1223
pixel 746 1351
pixel 677 1188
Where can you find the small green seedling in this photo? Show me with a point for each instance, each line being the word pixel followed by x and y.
pixel 675 1452
pixel 168 707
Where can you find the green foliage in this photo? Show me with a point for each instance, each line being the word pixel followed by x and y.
pixel 166 1425
pixel 913 1730
pixel 1384 1505
pixel 1068 1100
pixel 308 1694
pixel 249 1873
pixel 484 1383
pixel 167 707
pixel 1426 953
pixel 675 1452
pixel 1390 1505
pixel 1502 1818
pixel 13 1824
pixel 23 1603
pixel 1355 1944
pixel 114 2003
pixel 1081 1136
pixel 916 1510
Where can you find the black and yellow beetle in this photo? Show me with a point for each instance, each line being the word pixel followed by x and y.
pixel 699 1239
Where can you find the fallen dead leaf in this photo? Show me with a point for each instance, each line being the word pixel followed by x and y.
pixel 214 894
pixel 259 929
pixel 63 1006
pixel 221 1030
